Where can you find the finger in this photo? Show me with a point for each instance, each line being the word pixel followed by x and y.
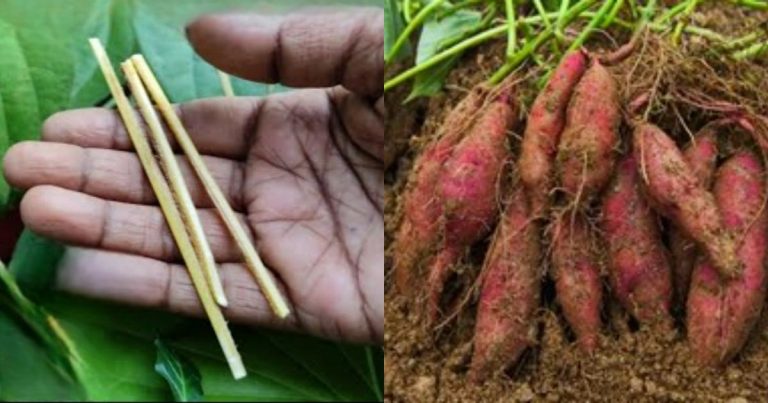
pixel 84 220
pixel 314 48
pixel 360 122
pixel 146 282
pixel 218 126
pixel 110 174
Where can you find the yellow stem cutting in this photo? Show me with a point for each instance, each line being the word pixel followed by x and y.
pixel 253 261
pixel 226 84
pixel 170 211
pixel 179 188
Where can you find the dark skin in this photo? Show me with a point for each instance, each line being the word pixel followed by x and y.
pixel 303 170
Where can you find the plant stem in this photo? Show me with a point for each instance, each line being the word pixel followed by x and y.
pixel 531 46
pixel 512 64
pixel 633 8
pixel 742 41
pixel 673 11
pixel 543 13
pixel 560 24
pixel 703 32
pixel 547 23
pixel 680 24
pixel 751 51
pixel 444 55
pixel 407 11
pixel 252 260
pixel 612 14
pixel 170 211
pixel 511 28
pixel 754 4
pixel 587 31
pixel 412 25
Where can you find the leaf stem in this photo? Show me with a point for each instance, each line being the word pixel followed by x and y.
pixel 612 14
pixel 444 55
pixel 252 260
pixel 671 12
pixel 407 11
pixel 542 37
pixel 560 24
pixel 170 211
pixel 412 25
pixel 680 23
pixel 751 51
pixel 754 4
pixel 511 28
pixel 593 23
pixel 742 41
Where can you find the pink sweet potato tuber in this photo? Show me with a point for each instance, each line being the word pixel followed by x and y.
pixel 576 271
pixel 468 189
pixel 701 156
pixel 638 264
pixel 510 291
pixel 679 195
pixel 546 120
pixel 586 152
pixel 721 313
pixel 419 232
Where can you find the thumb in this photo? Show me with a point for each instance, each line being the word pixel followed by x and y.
pixel 319 47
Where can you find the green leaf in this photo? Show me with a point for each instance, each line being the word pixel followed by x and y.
pixel 431 81
pixel 36 333
pixel 393 27
pixel 34 262
pixel 281 366
pixel 181 374
pixel 26 371
pixel 436 36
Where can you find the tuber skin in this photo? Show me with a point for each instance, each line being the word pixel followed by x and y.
pixel 419 231
pixel 576 271
pixel 701 156
pixel 469 191
pixel 586 153
pixel 679 196
pixel 638 264
pixel 721 314
pixel 509 296
pixel 546 121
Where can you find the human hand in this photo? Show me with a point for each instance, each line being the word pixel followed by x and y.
pixel 303 169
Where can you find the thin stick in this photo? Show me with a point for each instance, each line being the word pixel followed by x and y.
pixel 226 84
pixel 173 174
pixel 252 259
pixel 170 211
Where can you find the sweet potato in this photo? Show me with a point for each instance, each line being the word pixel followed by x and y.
pixel 585 156
pixel 721 314
pixel 419 231
pixel 701 156
pixel 576 271
pixel 680 196
pixel 546 120
pixel 638 264
pixel 510 291
pixel 469 188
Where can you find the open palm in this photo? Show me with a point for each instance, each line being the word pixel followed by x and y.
pixel 302 168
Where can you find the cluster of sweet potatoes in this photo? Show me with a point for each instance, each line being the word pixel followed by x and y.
pixel 598 213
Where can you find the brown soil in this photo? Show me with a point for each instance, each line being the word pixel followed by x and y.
pixel 631 364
